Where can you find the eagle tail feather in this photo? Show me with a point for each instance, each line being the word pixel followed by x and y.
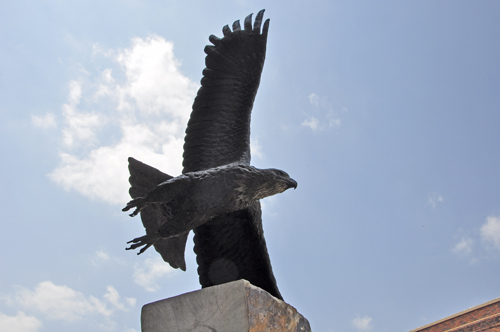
pixel 144 178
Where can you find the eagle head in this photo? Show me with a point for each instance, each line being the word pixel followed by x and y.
pixel 282 180
pixel 268 182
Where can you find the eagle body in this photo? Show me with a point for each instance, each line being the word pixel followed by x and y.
pixel 194 198
pixel 217 196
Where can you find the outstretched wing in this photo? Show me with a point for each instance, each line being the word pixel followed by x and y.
pixel 218 131
pixel 230 246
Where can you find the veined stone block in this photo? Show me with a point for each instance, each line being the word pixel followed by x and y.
pixel 237 306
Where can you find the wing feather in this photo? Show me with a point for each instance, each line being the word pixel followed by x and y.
pixel 236 25
pixel 220 120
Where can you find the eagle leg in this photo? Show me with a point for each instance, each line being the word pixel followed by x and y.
pixel 139 203
pixel 146 240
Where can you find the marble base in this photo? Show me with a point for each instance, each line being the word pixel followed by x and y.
pixel 232 307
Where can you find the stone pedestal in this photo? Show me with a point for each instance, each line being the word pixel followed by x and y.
pixel 237 306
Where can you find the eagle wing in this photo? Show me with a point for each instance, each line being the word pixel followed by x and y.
pixel 218 132
pixel 230 246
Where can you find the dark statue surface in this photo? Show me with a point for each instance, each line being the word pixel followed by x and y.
pixel 217 196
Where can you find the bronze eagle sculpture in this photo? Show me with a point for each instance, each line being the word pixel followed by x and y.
pixel 217 196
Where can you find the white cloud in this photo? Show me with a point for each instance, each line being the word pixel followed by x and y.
pixel 81 127
pixel 312 123
pixel 325 116
pixel 75 93
pixel 490 231
pixel 314 99
pixel 154 82
pixel 60 302
pixel 255 148
pixel 333 121
pixel 102 255
pixel 99 257
pixel 19 323
pixel 150 271
pixel 464 247
pixel 114 298
pixel 63 303
pixel 48 121
pixel 149 110
pixel 434 199
pixel 362 323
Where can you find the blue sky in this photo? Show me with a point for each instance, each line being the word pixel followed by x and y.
pixel 387 114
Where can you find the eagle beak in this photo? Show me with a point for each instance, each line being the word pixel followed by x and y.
pixel 292 184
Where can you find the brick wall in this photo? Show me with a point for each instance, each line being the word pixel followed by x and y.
pixel 482 318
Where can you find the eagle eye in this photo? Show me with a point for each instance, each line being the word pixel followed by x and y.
pixel 281 173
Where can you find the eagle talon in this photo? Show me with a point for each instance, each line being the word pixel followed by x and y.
pixel 139 203
pixel 146 240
